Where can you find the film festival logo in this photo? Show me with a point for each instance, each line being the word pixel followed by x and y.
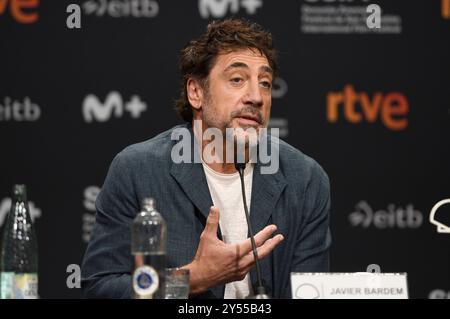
pixel 22 11
pixel 15 110
pixel 114 106
pixel 439 294
pixel 5 206
pixel 221 8
pixel 393 217
pixel 347 17
pixel 440 216
pixel 391 108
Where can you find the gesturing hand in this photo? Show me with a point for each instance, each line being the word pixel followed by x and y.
pixel 218 263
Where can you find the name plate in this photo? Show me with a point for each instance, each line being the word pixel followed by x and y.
pixel 360 285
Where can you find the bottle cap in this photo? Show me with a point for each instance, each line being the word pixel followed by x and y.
pixel 20 192
pixel 148 204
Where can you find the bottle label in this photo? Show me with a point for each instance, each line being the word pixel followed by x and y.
pixel 19 286
pixel 26 286
pixel 145 281
pixel 7 285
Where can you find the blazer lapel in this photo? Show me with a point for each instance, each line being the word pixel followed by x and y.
pixel 191 178
pixel 266 189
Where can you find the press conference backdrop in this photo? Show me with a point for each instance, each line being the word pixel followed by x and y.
pixel 372 106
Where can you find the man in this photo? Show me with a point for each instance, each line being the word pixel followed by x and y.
pixel 226 77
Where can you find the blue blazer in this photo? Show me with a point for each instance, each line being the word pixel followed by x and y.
pixel 296 198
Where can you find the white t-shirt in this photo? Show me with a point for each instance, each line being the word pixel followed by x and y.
pixel 226 193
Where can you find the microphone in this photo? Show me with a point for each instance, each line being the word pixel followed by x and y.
pixel 260 290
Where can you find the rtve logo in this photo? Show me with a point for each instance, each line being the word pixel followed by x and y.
pixel 114 105
pixel 445 9
pixel 23 11
pixel 220 8
pixel 391 108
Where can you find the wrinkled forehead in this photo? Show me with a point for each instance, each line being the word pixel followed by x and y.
pixel 250 59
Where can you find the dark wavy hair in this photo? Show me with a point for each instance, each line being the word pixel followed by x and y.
pixel 198 57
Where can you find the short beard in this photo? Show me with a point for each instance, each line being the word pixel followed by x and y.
pixel 229 132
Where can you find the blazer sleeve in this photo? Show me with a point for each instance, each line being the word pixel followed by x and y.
pixel 107 264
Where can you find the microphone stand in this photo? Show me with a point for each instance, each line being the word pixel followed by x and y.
pixel 260 290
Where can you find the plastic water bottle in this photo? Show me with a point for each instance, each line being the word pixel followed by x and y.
pixel 19 254
pixel 148 246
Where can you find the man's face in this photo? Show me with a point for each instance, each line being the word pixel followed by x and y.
pixel 239 91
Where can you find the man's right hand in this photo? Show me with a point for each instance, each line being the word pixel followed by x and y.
pixel 217 263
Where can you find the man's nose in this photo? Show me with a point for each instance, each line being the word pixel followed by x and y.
pixel 253 95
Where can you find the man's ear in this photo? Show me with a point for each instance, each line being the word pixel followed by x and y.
pixel 194 93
